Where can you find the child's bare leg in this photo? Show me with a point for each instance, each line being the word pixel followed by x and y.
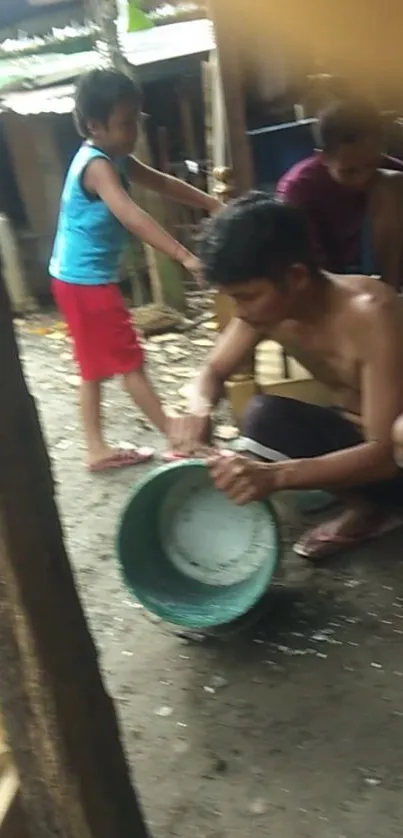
pixel 97 449
pixel 100 456
pixel 140 389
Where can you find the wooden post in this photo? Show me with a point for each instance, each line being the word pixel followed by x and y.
pixel 232 83
pixel 241 386
pixel 240 178
pixel 15 276
pixel 167 276
pixel 186 120
pixel 13 823
pixel 61 724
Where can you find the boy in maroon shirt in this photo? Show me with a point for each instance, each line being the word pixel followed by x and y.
pixel 342 192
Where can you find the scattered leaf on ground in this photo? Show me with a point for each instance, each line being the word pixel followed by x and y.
pixel 38 330
pixel 167 379
pixel 175 352
pixel 258 807
pixel 56 335
pixel 202 342
pixel 73 380
pixel 163 338
pixel 185 391
pixel 164 712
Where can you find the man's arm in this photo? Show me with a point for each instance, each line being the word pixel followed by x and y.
pixel 382 398
pixel 171 187
pixel 386 219
pixel 235 344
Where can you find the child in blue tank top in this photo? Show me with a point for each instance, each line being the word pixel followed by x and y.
pixel 96 218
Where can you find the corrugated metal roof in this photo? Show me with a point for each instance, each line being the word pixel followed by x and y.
pixel 172 41
pixel 44 70
pixel 14 12
pixel 162 43
pixel 47 100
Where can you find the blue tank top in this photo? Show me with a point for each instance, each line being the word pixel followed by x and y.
pixel 89 241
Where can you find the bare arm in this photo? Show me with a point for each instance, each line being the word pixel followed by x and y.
pixel 234 345
pixel 386 218
pixel 382 394
pixel 172 187
pixel 101 179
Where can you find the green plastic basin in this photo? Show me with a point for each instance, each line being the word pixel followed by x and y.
pixel 190 555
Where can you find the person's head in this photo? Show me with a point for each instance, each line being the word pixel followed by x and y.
pixel 257 250
pixel 349 135
pixel 107 110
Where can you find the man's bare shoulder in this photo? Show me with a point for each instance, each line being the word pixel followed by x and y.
pixel 364 292
pixel 373 311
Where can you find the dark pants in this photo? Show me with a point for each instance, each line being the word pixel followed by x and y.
pixel 277 428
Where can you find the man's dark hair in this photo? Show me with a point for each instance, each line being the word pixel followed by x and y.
pixel 347 122
pixel 254 237
pixel 98 93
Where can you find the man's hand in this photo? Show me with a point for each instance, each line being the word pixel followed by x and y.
pixel 242 479
pixel 188 434
pixel 192 264
pixel 215 206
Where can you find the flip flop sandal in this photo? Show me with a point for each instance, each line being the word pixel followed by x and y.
pixel 323 542
pixel 123 459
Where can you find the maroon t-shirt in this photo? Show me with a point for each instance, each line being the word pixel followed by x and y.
pixel 335 213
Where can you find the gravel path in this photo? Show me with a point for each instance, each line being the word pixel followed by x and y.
pixel 298 734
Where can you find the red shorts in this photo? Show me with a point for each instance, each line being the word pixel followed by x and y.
pixel 105 342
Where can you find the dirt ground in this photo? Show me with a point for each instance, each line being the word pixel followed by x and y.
pixel 293 729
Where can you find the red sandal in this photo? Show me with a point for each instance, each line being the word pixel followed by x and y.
pixel 122 458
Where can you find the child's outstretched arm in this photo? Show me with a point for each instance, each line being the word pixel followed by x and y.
pixel 172 187
pixel 102 180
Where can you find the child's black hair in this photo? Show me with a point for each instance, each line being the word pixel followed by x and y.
pixel 347 122
pixel 254 237
pixel 98 93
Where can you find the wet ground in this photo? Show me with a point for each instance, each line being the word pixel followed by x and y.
pixel 292 730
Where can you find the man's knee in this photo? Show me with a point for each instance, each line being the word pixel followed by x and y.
pixel 260 413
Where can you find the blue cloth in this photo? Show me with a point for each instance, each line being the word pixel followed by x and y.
pixel 89 241
pixel 367 265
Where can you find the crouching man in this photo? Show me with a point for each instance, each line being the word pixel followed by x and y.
pixel 346 331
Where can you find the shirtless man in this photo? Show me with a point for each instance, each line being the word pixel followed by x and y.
pixel 346 331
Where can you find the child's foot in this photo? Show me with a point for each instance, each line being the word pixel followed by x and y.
pixel 171 456
pixel 115 458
